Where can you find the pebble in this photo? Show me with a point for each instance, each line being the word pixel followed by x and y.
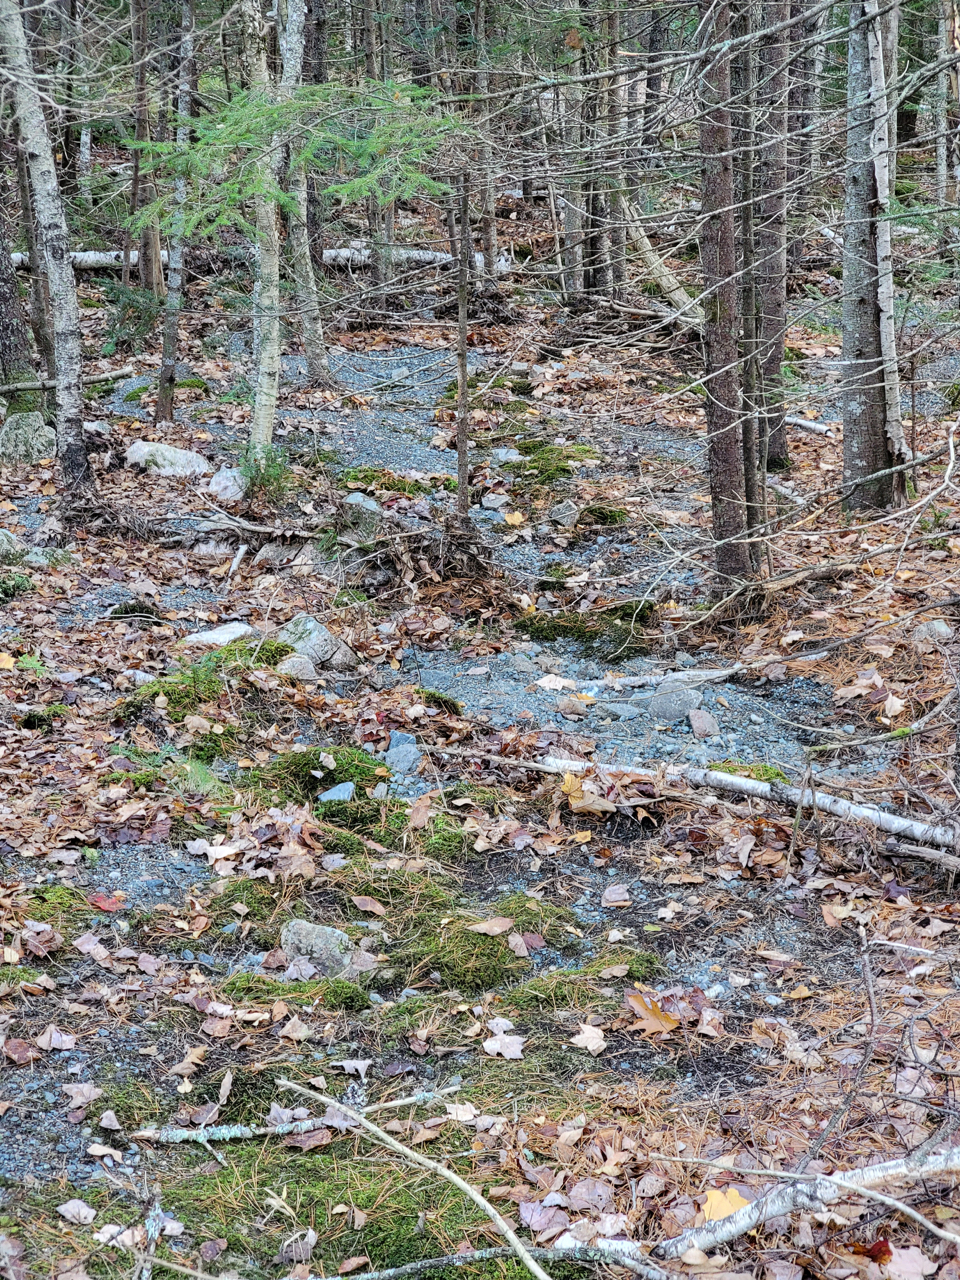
pixel 404 759
pixel 670 705
pixel 342 791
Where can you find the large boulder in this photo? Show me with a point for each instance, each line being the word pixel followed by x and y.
pixel 330 950
pixel 25 437
pixel 166 460
pixel 308 637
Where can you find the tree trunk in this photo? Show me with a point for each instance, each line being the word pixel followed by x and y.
pixel 866 445
pixel 16 361
pixel 267 297
pixel 41 322
pixel 463 388
pixel 54 246
pixel 144 192
pixel 722 323
pixel 772 236
pixel 174 299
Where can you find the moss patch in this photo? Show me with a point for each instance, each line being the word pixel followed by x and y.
pixel 67 910
pixel 547 463
pixel 602 513
pixel 330 993
pixel 439 701
pixel 383 479
pixel 43 717
pixel 14 584
pixel 761 772
pixel 604 633
pixel 299 775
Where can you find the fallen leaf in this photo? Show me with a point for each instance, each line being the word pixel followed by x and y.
pixel 505 1046
pixel 78 1212
pixel 514 518
pixel 54 1038
pixel 590 1038
pixel 7 662
pixel 909 1264
pixel 81 1095
pixel 20 1052
pixel 363 903
pixel 190 1063
pixel 720 1204
pixel 109 1121
pixel 98 1149
pixel 310 1140
pixel 651 1017
pixel 210 1250
pixel 492 928
pixel 517 945
pixel 355 1066
pixel 353 1264
pixel 615 895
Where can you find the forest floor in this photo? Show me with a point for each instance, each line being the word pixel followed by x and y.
pixel 573 976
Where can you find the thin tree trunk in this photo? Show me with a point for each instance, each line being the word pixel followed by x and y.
pixel 144 192
pixel 16 360
pixel 267 298
pixel 722 325
pixel 174 299
pixel 463 389
pixel 772 237
pixel 866 445
pixel 41 321
pixel 616 181
pixel 54 246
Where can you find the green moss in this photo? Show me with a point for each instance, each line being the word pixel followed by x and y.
pixel 132 1102
pixel 260 900
pixel 140 778
pixel 439 701
pixel 136 394
pixel 14 584
pixel 383 479
pixel 547 463
pixel 185 691
pixel 761 772
pixel 299 775
pixel 601 513
pixel 249 655
pixel 348 596
pixel 443 839
pixel 330 993
pixel 612 633
pixel 135 609
pixel 196 384
pixel 13 974
pixel 43 717
pixel 59 906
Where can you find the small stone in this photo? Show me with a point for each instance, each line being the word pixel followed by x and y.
pixel 702 723
pixel 520 366
pixel 571 709
pixel 619 710
pixel 671 704
pixel 364 502
pixel 342 791
pixel 400 739
pixel 684 659
pixel 138 678
pixel 329 949
pixel 850 728
pixel 494 501
pixel 380 791
pixel 229 484
pixel 312 640
pixel 506 455
pixel 11 548
pixel 934 632
pixel 165 460
pixel 217 637
pixel 404 760
pixel 519 662
pixel 25 437
pixel 297 666
pixel 564 513
pixel 755 719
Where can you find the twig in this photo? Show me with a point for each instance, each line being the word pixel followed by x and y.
pixel 237 559
pixel 519 1248
pixel 45 384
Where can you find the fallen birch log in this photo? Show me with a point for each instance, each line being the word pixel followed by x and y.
pixel 660 274
pixel 47 384
pixel 913 829
pixel 812 428
pixel 90 259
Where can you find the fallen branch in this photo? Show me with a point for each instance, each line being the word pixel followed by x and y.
pixel 575 1253
pixel 90 259
pixel 47 384
pixel 812 428
pixel 414 1157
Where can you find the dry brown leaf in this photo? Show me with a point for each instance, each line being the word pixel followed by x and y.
pixel 590 1038
pixel 363 903
pixel 492 928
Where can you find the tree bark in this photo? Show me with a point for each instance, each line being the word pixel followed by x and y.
pixel 54 247
pixel 174 299
pixel 722 322
pixel 463 387
pixel 41 321
pixel 16 361
pixel 866 444
pixel 143 190
pixel 267 298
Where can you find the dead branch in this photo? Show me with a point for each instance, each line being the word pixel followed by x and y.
pixel 47 384
pixel 414 1157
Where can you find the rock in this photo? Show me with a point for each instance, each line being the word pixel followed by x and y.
pixel 702 723
pixel 342 791
pixel 506 455
pixel 930 633
pixel 229 484
pixel 380 791
pixel 494 501
pixel 684 659
pixel 99 430
pixel 564 513
pixel 618 710
pixel 329 949
pixel 312 640
pixel 165 460
pixel 519 662
pixel 404 760
pixel 213 549
pixel 298 666
pixel 400 739
pixel 520 366
pixel 25 437
pixel 364 502
pixel 670 704
pixel 138 678
pixel 12 550
pixel 217 637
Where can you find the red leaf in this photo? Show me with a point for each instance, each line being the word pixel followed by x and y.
pixel 101 901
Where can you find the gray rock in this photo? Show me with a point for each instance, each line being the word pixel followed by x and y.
pixel 618 710
pixel 564 513
pixel 494 501
pixel 298 666
pixel 165 460
pixel 138 678
pixel 45 557
pixel 520 366
pixel 670 704
pixel 522 664
pixel 312 640
pixel 506 455
pixel 400 739
pixel 329 949
pixel 12 550
pixel 217 637
pixel 213 549
pixel 684 659
pixel 702 723
pixel 363 501
pixel 25 437
pixel 934 632
pixel 229 484
pixel 380 791
pixel 403 760
pixel 342 791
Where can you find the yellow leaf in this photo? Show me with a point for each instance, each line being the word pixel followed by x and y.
pixel 7 662
pixel 581 837
pixel 720 1204
pixel 48 488
pixel 514 517
pixel 799 993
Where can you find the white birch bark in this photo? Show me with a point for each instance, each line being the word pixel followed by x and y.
pixel 267 289
pixel 54 248
pixel 880 149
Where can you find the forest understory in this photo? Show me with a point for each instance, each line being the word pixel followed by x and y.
pixel 441 853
